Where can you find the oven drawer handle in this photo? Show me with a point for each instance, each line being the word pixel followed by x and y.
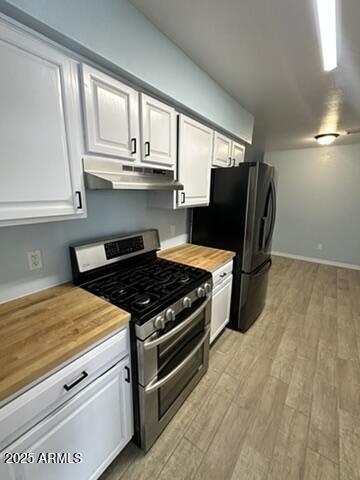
pixel 149 344
pixel 155 385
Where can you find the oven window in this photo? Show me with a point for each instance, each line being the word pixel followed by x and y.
pixel 172 389
pixel 172 353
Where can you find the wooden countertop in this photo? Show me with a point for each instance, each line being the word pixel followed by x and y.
pixel 209 259
pixel 41 331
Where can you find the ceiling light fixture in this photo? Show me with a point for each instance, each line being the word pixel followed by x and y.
pixel 326 10
pixel 326 138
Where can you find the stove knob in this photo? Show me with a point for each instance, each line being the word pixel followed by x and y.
pixel 207 287
pixel 187 302
pixel 200 292
pixel 170 314
pixel 159 323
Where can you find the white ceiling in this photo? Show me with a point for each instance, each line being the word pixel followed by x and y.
pixel 266 54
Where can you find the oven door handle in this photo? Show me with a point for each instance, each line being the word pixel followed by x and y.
pixel 155 385
pixel 149 344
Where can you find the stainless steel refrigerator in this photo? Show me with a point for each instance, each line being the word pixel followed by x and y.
pixel 241 218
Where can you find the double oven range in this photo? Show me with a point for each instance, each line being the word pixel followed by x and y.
pixel 170 307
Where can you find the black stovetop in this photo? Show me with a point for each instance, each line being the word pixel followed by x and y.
pixel 146 289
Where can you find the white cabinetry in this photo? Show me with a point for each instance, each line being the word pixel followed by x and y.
pixel 113 120
pixel 195 147
pixel 111 116
pixel 194 162
pixel 222 151
pixel 40 132
pixel 158 133
pixel 221 301
pixel 227 153
pixel 95 421
pixel 238 153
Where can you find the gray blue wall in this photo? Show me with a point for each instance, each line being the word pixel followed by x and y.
pixel 318 193
pixel 108 213
pixel 119 35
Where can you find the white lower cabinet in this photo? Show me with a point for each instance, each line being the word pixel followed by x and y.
pixel 79 438
pixel 221 301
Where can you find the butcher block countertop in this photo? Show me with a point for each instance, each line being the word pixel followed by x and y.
pixel 41 331
pixel 209 259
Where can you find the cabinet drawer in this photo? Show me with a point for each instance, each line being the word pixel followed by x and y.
pixel 222 273
pixel 25 411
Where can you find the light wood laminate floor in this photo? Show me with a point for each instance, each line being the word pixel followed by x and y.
pixel 281 401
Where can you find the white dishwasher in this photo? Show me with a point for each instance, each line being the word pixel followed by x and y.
pixel 221 301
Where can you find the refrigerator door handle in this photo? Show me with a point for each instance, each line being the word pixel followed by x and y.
pixel 263 229
pixel 273 212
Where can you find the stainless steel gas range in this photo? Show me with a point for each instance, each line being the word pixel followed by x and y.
pixel 170 306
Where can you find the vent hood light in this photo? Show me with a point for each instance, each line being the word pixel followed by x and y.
pixel 326 11
pixel 326 138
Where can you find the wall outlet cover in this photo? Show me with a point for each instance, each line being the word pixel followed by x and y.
pixel 320 246
pixel 34 260
pixel 173 230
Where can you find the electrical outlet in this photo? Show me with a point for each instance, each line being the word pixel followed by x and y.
pixel 34 260
pixel 320 246
pixel 172 230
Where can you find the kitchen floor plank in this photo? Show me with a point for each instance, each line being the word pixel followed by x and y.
pixel 222 455
pixel 183 463
pixel 290 447
pixel 349 446
pixel 299 394
pixel 318 467
pixel 251 465
pixel 264 429
pixel 324 425
pixel 205 424
pixel 349 386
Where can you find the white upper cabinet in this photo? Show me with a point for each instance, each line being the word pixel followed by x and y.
pixel 40 132
pixel 194 162
pixel 158 129
pixel 222 156
pixel 111 116
pixel 227 153
pixel 238 153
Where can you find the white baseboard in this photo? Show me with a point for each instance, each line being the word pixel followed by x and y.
pixel 317 260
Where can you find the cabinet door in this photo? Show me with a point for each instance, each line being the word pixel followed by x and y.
pixel 238 153
pixel 111 116
pixel 220 309
pixel 194 167
pixel 40 134
pixel 158 122
pixel 222 151
pixel 97 423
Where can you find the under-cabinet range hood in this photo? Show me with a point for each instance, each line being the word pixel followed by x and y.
pixel 112 175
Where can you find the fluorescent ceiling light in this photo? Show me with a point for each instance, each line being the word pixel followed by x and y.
pixel 326 10
pixel 326 138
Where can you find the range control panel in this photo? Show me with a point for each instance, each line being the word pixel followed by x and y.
pixel 123 247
